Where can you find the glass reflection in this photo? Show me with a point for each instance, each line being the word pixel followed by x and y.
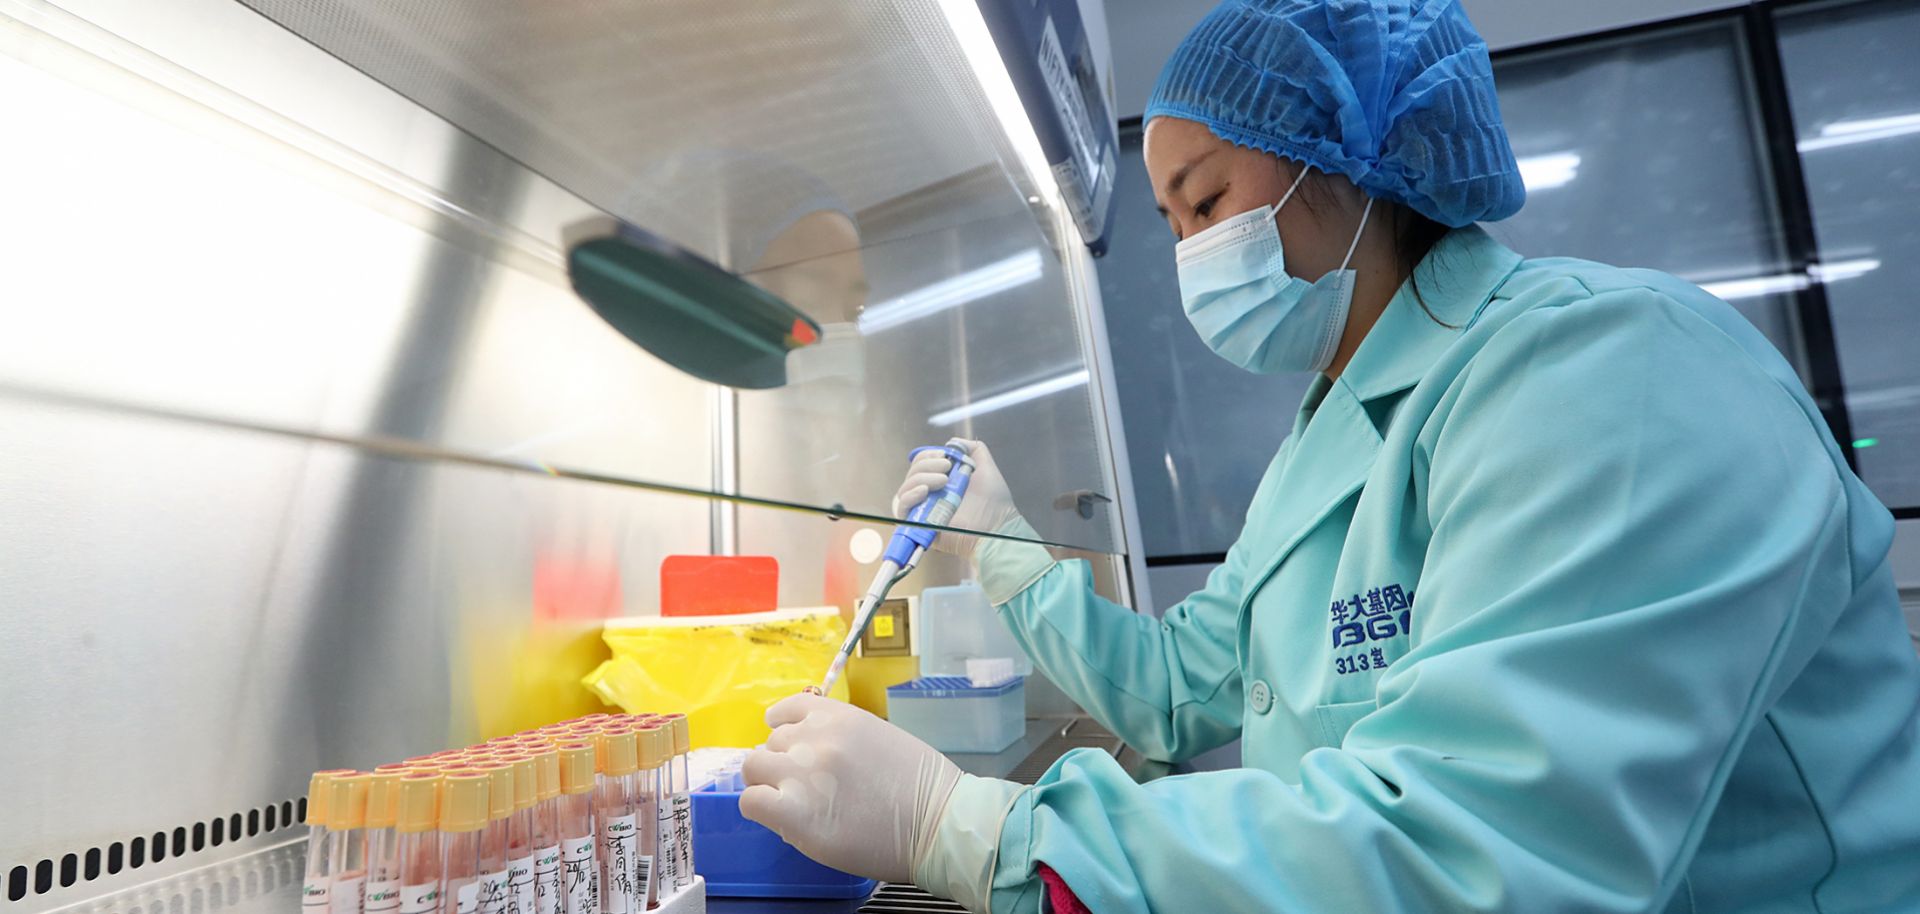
pixel 1679 186
pixel 1854 84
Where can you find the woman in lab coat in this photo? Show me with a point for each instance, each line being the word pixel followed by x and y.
pixel 1560 596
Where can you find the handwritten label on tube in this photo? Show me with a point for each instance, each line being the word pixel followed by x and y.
pixel 617 864
pixel 580 876
pixel 546 880
pixel 520 885
pixel 683 838
pixel 346 897
pixel 494 893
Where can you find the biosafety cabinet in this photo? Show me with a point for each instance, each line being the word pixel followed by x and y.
pixel 305 435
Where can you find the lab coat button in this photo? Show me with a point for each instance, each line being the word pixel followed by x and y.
pixel 1261 695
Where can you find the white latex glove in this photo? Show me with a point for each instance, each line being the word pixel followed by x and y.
pixel 987 505
pixel 847 788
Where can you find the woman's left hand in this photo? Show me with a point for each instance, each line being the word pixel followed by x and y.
pixel 847 788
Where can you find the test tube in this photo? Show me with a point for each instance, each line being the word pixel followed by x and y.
pixel 463 816
pixel 318 885
pixel 598 741
pixel 578 830
pixel 520 843
pixel 656 743
pixel 494 837
pixel 546 832
pixel 681 791
pixel 620 866
pixel 383 885
pixel 347 841
pixel 419 842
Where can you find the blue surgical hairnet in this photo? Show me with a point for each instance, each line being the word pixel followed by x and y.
pixel 1397 95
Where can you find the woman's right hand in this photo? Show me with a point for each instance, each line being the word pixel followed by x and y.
pixel 987 506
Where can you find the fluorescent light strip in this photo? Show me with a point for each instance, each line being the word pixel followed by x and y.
pixel 1014 397
pixel 1754 287
pixel 1870 125
pixel 1847 133
pixel 999 276
pixel 1757 286
pixel 976 41
pixel 1546 172
pixel 1845 269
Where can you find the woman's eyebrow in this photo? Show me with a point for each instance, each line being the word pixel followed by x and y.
pixel 1180 175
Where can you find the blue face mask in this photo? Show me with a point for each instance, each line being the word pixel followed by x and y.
pixel 1236 292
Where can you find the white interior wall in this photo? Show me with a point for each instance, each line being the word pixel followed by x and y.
pixel 1144 32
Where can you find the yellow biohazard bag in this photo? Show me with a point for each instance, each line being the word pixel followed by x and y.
pixel 722 671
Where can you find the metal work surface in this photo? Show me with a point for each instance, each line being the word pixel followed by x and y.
pixel 432 307
pixel 845 157
pixel 263 882
pixel 873 98
pixel 261 871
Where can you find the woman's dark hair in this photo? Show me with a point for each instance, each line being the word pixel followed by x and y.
pixel 1414 237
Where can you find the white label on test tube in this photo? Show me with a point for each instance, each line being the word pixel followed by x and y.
pixel 383 896
pixel 643 881
pixel 621 833
pixel 494 893
pixel 314 895
pixel 546 880
pixel 520 884
pixel 683 838
pixel 666 854
pixel 468 901
pixel 346 896
pixel 577 871
pixel 423 898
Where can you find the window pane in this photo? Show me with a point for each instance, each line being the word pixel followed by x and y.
pixel 1854 81
pixel 1644 152
pixel 1200 431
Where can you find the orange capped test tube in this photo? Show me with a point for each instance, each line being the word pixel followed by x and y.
pixel 416 824
pixel 463 816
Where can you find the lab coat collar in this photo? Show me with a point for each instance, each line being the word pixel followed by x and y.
pixel 1335 441
pixel 1333 450
pixel 1456 280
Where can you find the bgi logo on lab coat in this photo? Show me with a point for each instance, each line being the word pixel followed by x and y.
pixel 1382 613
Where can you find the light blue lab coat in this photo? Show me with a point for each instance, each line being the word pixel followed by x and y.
pixel 1574 608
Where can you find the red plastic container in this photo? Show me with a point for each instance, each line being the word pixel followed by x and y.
pixel 719 585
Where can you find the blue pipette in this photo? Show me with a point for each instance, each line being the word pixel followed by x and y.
pixel 904 550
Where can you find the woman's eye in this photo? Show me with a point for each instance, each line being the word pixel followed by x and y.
pixel 1205 209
